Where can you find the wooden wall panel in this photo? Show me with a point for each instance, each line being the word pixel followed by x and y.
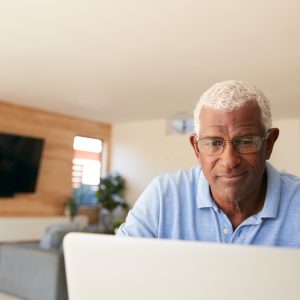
pixel 54 183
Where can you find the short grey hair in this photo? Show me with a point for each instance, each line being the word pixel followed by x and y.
pixel 231 95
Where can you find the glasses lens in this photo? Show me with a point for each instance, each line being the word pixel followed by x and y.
pixel 211 146
pixel 247 144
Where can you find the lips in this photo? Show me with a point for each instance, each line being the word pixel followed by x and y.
pixel 232 177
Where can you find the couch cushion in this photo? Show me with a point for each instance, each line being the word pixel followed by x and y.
pixel 54 234
pixel 28 272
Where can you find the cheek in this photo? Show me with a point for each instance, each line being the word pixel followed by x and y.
pixel 257 163
pixel 208 164
pixel 259 167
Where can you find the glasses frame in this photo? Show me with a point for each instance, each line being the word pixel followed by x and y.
pixel 263 139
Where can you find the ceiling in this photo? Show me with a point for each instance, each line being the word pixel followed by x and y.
pixel 129 60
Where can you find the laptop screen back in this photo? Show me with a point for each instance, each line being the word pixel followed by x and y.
pixel 108 267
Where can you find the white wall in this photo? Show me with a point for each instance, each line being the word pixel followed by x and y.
pixel 286 154
pixel 142 150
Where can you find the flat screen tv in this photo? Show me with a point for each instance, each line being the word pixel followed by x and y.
pixel 19 163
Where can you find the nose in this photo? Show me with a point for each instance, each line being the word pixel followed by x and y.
pixel 229 157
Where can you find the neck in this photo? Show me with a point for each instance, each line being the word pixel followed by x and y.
pixel 239 211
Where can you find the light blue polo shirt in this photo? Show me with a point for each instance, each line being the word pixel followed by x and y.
pixel 179 206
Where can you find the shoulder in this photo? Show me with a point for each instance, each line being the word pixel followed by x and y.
pixel 170 189
pixel 289 179
pixel 180 179
pixel 290 184
pixel 160 204
pixel 286 184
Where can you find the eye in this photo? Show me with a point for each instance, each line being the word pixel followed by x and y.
pixel 244 141
pixel 215 142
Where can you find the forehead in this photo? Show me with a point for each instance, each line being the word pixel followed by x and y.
pixel 246 118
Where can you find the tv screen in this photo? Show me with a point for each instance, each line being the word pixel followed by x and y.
pixel 19 163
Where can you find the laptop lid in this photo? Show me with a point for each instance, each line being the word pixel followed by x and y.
pixel 116 268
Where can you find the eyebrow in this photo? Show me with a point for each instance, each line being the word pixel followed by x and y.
pixel 210 137
pixel 238 136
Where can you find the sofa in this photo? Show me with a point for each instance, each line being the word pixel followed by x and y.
pixel 30 272
pixel 36 271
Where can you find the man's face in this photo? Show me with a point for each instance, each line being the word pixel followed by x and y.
pixel 233 176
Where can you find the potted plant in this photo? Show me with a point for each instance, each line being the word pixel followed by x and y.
pixel 71 207
pixel 113 207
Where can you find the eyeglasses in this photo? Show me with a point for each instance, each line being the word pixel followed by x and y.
pixel 242 144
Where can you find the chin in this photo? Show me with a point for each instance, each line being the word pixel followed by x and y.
pixel 230 195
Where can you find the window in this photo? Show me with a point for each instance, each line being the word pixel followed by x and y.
pixel 86 169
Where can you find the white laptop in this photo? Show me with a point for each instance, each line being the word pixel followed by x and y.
pixel 104 267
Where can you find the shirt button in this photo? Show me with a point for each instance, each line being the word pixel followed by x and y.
pixel 225 230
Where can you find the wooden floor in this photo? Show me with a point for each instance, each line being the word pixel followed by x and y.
pixel 8 297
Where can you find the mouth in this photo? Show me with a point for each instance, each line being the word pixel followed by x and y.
pixel 232 177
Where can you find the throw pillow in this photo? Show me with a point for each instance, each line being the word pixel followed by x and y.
pixel 54 234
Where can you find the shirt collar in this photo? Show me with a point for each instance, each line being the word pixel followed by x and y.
pixel 271 205
pixel 204 198
pixel 270 208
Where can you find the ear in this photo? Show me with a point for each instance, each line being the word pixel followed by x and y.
pixel 273 136
pixel 193 142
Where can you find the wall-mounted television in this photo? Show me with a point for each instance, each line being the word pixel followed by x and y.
pixel 20 158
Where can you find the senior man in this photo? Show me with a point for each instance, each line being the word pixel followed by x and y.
pixel 234 195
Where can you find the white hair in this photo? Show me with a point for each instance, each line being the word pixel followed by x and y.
pixel 231 95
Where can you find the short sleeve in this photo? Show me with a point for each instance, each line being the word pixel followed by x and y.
pixel 143 218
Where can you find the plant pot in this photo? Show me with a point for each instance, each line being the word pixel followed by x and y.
pixel 108 220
